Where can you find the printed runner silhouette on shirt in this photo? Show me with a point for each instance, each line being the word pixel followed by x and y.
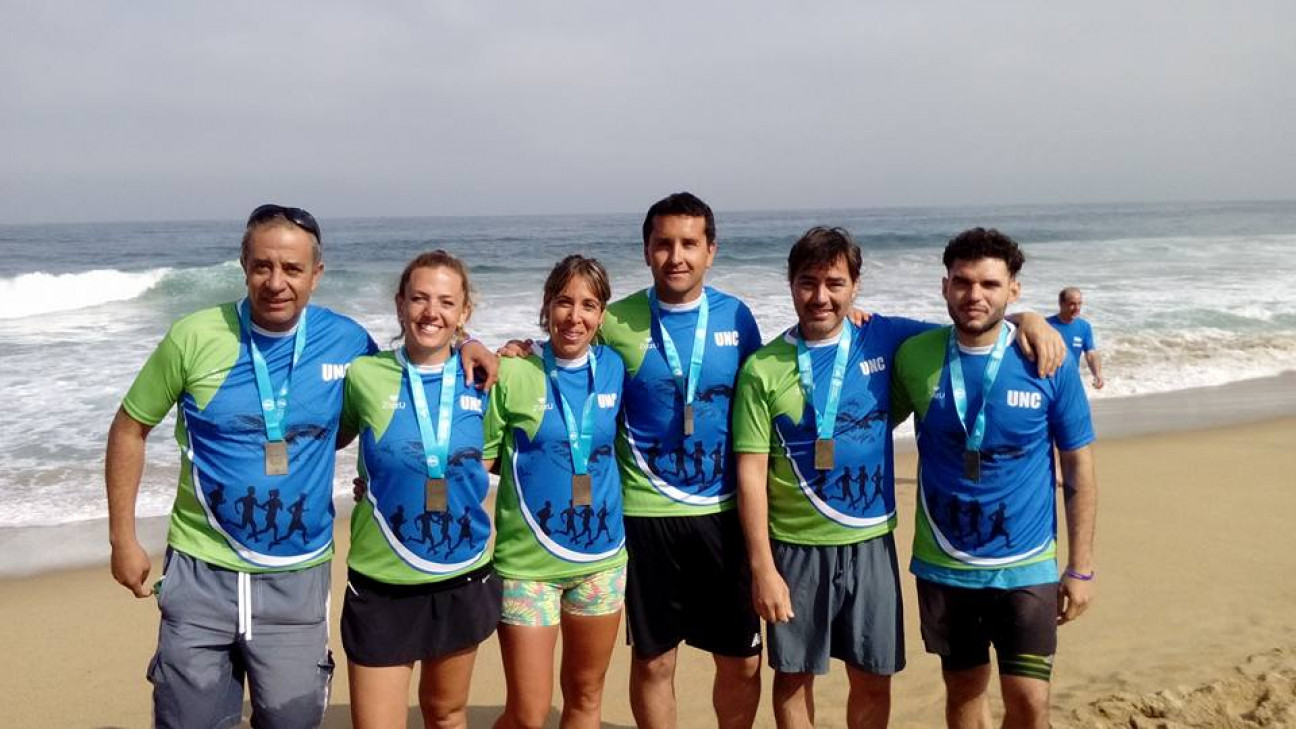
pixel 602 525
pixel 397 521
pixel 544 514
pixel 296 523
pixel 465 530
pixel 246 508
pixel 272 506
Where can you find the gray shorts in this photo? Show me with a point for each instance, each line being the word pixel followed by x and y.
pixel 210 639
pixel 847 605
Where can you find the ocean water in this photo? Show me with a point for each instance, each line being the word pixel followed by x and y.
pixel 1180 295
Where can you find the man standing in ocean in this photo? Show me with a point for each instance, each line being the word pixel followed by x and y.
pixel 1077 333
pixel 259 387
pixel 986 427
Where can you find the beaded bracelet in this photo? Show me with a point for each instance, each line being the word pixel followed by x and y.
pixel 1080 575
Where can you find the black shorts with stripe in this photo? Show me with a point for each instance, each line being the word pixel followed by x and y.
pixel 960 624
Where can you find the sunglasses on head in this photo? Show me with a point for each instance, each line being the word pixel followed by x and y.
pixel 297 216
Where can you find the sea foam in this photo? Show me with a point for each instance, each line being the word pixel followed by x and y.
pixel 30 294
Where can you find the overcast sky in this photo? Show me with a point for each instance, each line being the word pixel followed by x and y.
pixel 148 110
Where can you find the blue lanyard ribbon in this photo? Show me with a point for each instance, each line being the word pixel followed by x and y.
pixel 687 387
pixel 826 421
pixel 955 366
pixel 274 408
pixel 436 443
pixel 581 439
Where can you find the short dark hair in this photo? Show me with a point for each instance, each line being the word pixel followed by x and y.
pixel 680 203
pixel 977 243
pixel 567 269
pixel 1062 295
pixel 822 246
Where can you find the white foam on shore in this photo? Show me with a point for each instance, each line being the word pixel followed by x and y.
pixel 30 294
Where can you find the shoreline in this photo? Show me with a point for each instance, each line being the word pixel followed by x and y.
pixel 32 550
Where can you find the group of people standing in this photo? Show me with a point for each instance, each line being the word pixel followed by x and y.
pixel 590 519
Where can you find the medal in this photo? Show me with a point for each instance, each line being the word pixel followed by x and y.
pixel 435 440
pixel 580 436
pixel 437 498
pixel 276 458
pixel 972 465
pixel 273 406
pixel 824 454
pixel 685 383
pixel 825 421
pixel 581 490
pixel 975 434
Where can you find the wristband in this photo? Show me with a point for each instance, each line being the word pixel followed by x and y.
pixel 1080 575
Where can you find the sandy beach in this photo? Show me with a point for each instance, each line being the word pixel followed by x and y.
pixel 1193 624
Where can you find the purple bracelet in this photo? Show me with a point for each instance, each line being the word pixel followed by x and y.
pixel 1080 576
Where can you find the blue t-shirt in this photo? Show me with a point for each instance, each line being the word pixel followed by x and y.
pixel 1078 335
pixel 543 534
pixel 228 511
pixel 999 530
pixel 667 473
pixel 855 500
pixel 395 537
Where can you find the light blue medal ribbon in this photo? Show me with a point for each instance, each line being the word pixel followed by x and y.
pixel 972 449
pixel 687 387
pixel 274 408
pixel 826 421
pixel 436 443
pixel 580 438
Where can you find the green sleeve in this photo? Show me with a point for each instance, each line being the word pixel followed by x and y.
pixel 350 420
pixel 901 405
pixel 751 414
pixel 493 423
pixel 159 384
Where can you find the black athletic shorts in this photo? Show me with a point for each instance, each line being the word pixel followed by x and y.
pixel 960 624
pixel 688 580
pixel 391 625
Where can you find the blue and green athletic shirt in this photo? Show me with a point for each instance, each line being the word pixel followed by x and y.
pixel 664 472
pixel 394 538
pixel 854 501
pixel 1077 334
pixel 999 531
pixel 541 534
pixel 227 511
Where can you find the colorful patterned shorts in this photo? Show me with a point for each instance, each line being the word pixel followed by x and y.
pixel 538 603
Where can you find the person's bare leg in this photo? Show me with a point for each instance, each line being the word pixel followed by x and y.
pixel 379 695
pixel 794 700
pixel 868 705
pixel 443 690
pixel 736 692
pixel 1026 702
pixel 966 703
pixel 528 656
pixel 652 690
pixel 587 649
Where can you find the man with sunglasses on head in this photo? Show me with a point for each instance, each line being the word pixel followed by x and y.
pixel 259 388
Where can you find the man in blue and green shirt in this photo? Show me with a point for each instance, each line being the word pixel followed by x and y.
pixel 985 536
pixel 258 384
